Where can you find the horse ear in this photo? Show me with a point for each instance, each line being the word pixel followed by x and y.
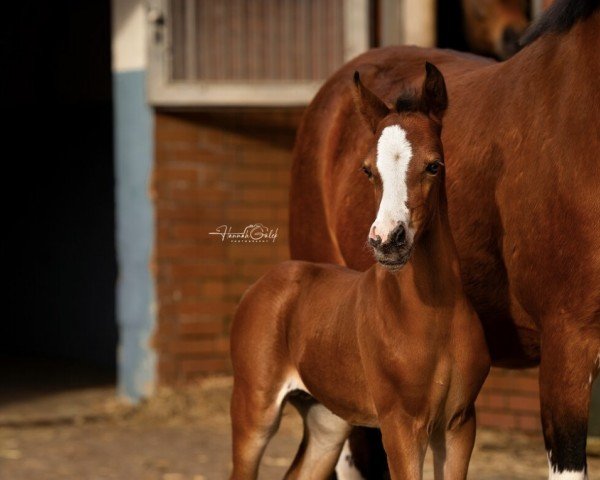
pixel 434 98
pixel 369 105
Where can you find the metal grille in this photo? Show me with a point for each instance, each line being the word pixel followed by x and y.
pixel 241 40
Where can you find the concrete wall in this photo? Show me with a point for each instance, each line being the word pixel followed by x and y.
pixel 134 214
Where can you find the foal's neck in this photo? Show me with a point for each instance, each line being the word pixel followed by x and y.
pixel 432 272
pixel 435 253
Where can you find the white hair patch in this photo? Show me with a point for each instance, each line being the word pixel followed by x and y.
pixel 555 474
pixel 394 153
pixel 345 468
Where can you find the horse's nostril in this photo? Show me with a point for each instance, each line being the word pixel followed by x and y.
pixel 375 242
pixel 400 235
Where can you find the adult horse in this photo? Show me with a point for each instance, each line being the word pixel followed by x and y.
pixel 522 142
pixel 493 27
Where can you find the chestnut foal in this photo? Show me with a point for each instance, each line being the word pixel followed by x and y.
pixel 397 347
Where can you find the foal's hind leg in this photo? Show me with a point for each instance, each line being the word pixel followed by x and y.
pixel 255 416
pixel 324 437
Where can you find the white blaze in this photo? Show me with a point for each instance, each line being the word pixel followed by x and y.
pixel 394 154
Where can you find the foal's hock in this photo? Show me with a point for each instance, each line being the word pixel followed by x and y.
pixel 397 347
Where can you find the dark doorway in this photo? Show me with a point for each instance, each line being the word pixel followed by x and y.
pixel 58 192
pixel 450 25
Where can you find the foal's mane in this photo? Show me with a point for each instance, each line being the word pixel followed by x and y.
pixel 408 101
pixel 559 18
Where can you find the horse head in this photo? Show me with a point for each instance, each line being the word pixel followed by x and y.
pixel 405 165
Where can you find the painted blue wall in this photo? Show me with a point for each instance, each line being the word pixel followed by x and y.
pixel 134 234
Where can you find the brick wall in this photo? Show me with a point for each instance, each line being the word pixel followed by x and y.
pixel 510 400
pixel 213 168
pixel 232 167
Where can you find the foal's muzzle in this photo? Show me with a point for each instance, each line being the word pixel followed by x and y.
pixel 395 252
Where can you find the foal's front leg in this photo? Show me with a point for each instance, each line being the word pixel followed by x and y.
pixel 405 442
pixel 452 446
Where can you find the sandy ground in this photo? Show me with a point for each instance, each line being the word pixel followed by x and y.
pixel 85 434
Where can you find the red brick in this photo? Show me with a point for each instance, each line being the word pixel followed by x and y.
pixel 249 176
pixel 215 270
pixel 245 214
pixel 253 270
pixel 280 216
pixel 169 211
pixel 167 368
pixel 165 329
pixel 264 158
pixel 181 292
pixel 205 366
pixel 211 327
pixel 496 382
pixel 496 420
pixel 190 309
pixel 237 288
pixel 195 231
pixel 515 381
pixel 187 154
pixel 524 404
pixel 255 251
pixel 527 384
pixel 214 168
pixel 213 289
pixel 173 175
pixel 492 400
pixel 180 132
pixel 270 196
pixel 166 251
pixel 529 423
pixel 193 194
pixel 200 347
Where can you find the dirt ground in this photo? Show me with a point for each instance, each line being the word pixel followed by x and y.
pixel 84 434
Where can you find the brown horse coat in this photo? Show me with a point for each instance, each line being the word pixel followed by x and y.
pixel 397 347
pixel 521 140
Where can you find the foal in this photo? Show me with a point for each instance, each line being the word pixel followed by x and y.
pixel 397 347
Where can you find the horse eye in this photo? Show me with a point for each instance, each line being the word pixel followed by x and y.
pixel 367 171
pixel 433 168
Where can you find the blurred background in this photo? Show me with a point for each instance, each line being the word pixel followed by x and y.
pixel 133 129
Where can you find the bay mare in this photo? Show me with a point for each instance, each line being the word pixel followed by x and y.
pixel 522 145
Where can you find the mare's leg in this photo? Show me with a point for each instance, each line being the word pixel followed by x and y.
pixel 453 446
pixel 405 444
pixel 363 456
pixel 255 416
pixel 569 363
pixel 324 437
pixel 346 467
pixel 438 447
